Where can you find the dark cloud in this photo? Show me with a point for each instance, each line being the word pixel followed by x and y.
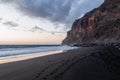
pixel 10 23
pixel 57 11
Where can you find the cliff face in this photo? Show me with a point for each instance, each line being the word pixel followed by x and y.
pixel 101 25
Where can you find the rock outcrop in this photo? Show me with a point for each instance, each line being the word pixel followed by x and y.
pixel 101 25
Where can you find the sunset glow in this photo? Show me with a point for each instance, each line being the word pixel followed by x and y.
pixel 27 22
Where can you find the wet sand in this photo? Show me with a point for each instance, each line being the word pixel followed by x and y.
pixel 86 63
pixel 26 56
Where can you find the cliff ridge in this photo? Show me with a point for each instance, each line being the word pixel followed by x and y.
pixel 101 25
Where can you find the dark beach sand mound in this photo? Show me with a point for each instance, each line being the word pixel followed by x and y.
pixel 86 63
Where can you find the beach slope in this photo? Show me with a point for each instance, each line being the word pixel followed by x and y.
pixel 85 63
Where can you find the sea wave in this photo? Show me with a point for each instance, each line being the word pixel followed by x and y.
pixel 14 50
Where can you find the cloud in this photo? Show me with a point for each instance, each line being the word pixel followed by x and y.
pixel 57 32
pixel 38 29
pixel 10 23
pixel 56 11
pixel 1 19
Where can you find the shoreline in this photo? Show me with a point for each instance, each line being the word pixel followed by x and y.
pixel 86 63
pixel 29 55
pixel 10 59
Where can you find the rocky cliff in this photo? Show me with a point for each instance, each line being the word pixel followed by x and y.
pixel 101 25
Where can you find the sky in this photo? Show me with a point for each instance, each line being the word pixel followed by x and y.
pixel 40 21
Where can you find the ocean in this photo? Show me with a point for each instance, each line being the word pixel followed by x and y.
pixel 17 50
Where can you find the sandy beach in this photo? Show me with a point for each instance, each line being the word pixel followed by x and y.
pixel 86 63
pixel 26 57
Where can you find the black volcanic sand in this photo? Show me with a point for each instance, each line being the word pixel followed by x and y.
pixel 86 63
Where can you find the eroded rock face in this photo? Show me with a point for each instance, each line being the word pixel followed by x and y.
pixel 101 25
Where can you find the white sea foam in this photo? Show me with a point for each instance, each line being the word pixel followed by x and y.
pixel 13 51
